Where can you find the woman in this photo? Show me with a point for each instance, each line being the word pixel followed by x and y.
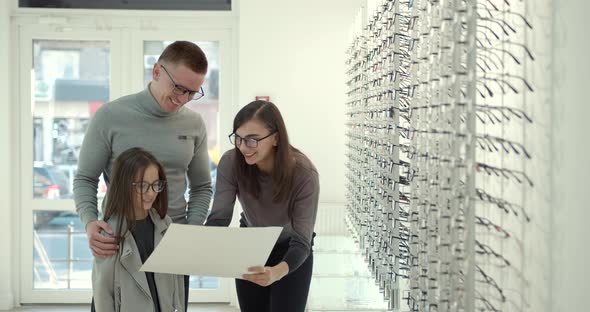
pixel 136 207
pixel 276 185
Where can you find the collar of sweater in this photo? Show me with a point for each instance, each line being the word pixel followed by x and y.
pixel 148 103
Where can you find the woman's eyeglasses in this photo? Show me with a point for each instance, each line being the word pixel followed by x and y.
pixel 250 142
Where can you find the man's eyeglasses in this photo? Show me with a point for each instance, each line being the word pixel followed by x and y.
pixel 250 142
pixel 180 90
pixel 143 187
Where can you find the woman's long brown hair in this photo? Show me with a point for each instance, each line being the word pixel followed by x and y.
pixel 284 161
pixel 130 167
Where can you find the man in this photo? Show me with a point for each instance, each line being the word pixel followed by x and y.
pixel 155 120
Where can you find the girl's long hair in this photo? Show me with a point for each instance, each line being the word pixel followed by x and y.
pixel 130 167
pixel 284 159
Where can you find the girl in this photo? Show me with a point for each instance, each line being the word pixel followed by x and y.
pixel 276 185
pixel 137 202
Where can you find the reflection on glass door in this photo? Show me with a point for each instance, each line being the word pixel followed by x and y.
pixel 71 81
pixel 207 107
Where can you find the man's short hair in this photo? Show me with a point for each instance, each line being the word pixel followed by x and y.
pixel 185 53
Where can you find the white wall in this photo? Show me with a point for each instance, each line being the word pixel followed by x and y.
pixel 570 278
pixel 6 291
pixel 294 51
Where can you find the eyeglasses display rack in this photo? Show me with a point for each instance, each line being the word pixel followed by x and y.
pixel 435 149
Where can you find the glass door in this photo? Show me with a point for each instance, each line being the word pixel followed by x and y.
pixel 65 76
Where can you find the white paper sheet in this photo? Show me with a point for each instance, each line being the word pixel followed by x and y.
pixel 211 251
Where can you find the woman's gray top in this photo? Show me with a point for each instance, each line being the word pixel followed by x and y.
pixel 297 214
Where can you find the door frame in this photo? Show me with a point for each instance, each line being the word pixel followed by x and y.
pixel 125 33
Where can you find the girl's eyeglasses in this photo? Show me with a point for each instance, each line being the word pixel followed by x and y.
pixel 143 187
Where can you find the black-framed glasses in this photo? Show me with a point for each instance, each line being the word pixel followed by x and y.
pixel 250 142
pixel 143 187
pixel 180 90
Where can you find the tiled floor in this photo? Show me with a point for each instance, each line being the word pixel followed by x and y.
pixel 341 283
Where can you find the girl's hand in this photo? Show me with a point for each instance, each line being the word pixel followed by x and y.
pixel 265 276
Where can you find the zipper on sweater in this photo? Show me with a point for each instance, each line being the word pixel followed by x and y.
pixel 118 300
pixel 175 295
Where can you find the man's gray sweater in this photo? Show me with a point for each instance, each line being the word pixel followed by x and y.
pixel 178 140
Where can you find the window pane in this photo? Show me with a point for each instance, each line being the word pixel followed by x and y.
pixel 71 83
pixel 207 107
pixel 61 256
